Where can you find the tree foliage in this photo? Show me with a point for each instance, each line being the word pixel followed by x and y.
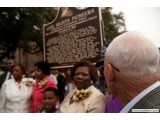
pixel 114 24
pixel 21 26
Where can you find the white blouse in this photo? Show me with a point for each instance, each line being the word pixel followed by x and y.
pixel 15 99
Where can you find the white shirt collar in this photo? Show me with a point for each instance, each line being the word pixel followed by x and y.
pixel 7 76
pixel 139 97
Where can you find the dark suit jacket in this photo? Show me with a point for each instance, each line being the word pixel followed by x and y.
pixel 149 101
pixel 2 78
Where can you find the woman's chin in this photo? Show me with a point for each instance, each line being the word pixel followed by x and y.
pixel 48 108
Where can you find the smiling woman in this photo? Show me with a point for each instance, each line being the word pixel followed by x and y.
pixel 43 81
pixel 15 94
pixel 85 98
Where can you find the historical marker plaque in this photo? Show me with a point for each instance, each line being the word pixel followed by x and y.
pixel 73 36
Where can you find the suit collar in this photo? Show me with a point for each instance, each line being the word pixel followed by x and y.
pixel 139 97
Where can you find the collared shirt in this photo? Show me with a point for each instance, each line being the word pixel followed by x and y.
pixel 8 76
pixel 53 78
pixel 139 97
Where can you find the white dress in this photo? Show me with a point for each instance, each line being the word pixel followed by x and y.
pixel 15 99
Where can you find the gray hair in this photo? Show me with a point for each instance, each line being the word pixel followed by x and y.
pixel 134 55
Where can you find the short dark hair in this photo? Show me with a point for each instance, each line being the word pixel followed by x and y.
pixel 92 69
pixel 51 89
pixel 11 60
pixel 21 67
pixel 44 67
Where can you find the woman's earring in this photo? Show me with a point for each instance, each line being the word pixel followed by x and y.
pixel 91 82
pixel 23 76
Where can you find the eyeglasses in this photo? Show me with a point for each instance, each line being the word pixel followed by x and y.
pixel 115 68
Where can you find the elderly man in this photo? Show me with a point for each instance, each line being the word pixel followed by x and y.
pixel 132 72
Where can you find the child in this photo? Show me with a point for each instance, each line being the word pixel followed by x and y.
pixel 50 100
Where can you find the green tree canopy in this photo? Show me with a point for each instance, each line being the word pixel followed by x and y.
pixel 20 26
pixel 114 24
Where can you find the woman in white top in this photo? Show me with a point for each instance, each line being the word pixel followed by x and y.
pixel 15 94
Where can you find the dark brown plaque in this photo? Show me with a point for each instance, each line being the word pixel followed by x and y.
pixel 73 36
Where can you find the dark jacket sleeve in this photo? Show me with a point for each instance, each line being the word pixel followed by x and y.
pixel 2 79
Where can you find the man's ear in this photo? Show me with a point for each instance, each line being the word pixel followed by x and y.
pixel 110 73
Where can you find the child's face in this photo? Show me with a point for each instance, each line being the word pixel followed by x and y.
pixel 49 100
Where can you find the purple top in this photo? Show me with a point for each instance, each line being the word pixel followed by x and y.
pixel 114 105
